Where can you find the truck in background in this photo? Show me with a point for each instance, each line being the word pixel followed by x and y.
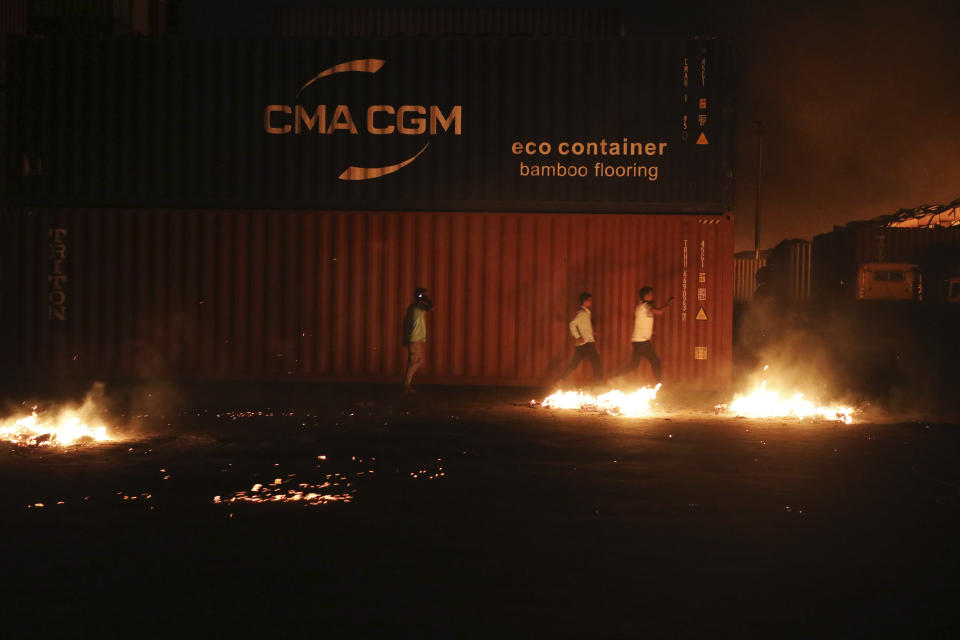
pixel 889 281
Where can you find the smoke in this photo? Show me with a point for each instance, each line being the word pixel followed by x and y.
pixel 150 409
pixel 92 406
pixel 143 410
pixel 857 111
pixel 781 344
pixel 887 356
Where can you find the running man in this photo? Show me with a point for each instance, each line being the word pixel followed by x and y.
pixel 643 331
pixel 581 328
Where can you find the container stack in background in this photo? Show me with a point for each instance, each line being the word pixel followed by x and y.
pixel 176 212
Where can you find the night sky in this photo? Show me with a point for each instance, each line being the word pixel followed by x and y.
pixel 858 100
pixel 859 107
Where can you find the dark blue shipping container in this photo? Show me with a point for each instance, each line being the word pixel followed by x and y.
pixel 525 124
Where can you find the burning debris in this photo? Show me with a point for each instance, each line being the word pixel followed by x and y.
pixel 430 472
pixel 60 427
pixel 761 402
pixel 615 402
pixel 63 429
pixel 335 488
pixel 268 413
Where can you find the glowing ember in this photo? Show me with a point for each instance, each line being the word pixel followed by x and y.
pixel 764 403
pixel 62 427
pixel 280 491
pixel 634 404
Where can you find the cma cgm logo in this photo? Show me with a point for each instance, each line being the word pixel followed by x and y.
pixel 377 120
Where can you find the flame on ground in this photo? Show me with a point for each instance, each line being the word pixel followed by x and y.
pixel 765 403
pixel 634 404
pixel 61 427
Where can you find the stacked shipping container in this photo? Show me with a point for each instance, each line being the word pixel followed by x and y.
pixel 274 124
pixel 325 22
pixel 263 260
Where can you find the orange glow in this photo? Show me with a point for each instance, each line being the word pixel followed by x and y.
pixel 761 402
pixel 61 427
pixel 285 491
pixel 633 404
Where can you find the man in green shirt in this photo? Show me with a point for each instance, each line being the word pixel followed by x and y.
pixel 415 334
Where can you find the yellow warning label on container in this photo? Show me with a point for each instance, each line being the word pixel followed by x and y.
pixel 702 139
pixel 701 315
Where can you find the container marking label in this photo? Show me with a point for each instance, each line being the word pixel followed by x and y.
pixel 381 119
pixel 683 285
pixel 57 293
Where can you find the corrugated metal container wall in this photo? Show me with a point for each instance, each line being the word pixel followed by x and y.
pixel 839 253
pixel 745 277
pixel 97 18
pixel 788 270
pixel 833 268
pixel 799 270
pixel 13 22
pixel 13 17
pixel 143 122
pixel 299 294
pixel 438 21
pixel 883 244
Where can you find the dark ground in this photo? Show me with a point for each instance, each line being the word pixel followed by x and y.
pixel 545 523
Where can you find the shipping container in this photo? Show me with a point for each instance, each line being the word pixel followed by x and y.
pixel 282 294
pixel 77 17
pixel 325 22
pixel 881 244
pixel 13 22
pixel 96 18
pixel 839 253
pixel 745 267
pixel 522 124
pixel 787 272
pixel 13 17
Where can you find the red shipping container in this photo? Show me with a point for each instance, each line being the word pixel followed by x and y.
pixel 191 294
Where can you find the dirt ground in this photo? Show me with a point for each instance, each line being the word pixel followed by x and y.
pixel 469 513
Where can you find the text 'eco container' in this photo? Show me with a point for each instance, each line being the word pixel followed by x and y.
pixel 522 124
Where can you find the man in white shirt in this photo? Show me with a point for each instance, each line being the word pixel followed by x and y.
pixel 415 334
pixel 643 331
pixel 581 328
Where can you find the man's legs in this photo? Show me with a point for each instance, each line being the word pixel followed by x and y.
pixel 414 358
pixel 577 357
pixel 647 351
pixel 591 353
pixel 634 359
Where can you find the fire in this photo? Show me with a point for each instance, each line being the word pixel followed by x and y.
pixel 634 404
pixel 64 429
pixel 765 403
pixel 60 427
